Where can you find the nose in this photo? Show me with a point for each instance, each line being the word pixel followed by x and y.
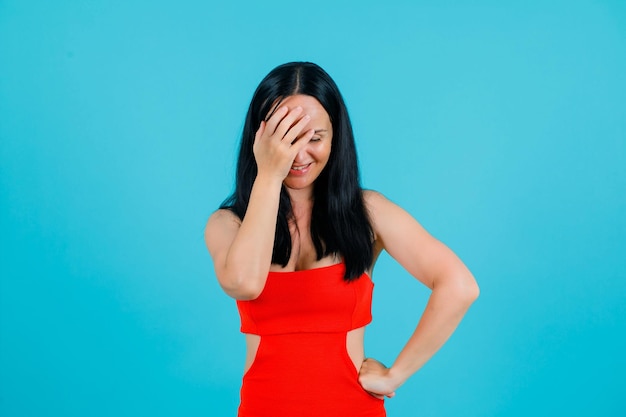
pixel 301 156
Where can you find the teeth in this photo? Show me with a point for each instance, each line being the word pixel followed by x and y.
pixel 300 168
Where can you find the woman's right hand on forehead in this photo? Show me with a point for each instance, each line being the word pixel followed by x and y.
pixel 278 141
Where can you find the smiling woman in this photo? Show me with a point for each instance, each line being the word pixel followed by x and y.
pixel 295 245
pixel 313 156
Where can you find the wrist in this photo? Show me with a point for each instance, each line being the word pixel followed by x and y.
pixel 396 377
pixel 268 181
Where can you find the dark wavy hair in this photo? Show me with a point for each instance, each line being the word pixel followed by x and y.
pixel 339 222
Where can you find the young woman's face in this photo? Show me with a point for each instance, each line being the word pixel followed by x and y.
pixel 312 159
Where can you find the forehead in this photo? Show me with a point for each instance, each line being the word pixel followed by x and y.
pixel 310 106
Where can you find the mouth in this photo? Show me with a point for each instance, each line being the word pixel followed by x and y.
pixel 299 169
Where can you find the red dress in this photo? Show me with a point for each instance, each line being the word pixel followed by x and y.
pixel 302 367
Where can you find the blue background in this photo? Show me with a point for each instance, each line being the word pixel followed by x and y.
pixel 501 126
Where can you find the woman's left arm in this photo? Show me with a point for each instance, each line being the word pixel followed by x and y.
pixel 434 264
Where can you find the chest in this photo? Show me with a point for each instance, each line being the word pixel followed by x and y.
pixel 303 254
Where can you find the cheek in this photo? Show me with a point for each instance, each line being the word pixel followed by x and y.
pixel 323 154
pixel 320 151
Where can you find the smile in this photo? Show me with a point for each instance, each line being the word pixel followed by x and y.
pixel 300 169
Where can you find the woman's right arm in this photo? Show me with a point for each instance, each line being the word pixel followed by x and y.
pixel 242 249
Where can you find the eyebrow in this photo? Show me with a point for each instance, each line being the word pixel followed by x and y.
pixel 321 131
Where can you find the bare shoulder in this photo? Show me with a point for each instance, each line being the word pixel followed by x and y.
pixel 379 207
pixel 369 195
pixel 374 199
pixel 224 216
pixel 385 216
pixel 220 229
pixel 220 220
pixel 391 222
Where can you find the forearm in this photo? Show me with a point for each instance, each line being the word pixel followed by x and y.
pixel 249 257
pixel 446 307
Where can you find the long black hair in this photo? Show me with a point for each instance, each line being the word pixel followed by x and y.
pixel 339 223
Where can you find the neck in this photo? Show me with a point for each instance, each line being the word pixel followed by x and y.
pixel 301 202
pixel 301 197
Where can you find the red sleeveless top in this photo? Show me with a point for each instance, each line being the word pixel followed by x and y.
pixel 302 367
pixel 314 300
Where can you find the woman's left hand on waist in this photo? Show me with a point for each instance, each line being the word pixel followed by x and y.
pixel 376 379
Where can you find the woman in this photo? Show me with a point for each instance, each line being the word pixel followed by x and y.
pixel 295 245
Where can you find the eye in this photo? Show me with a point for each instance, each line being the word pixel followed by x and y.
pixel 315 139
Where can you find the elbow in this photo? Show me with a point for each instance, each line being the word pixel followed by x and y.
pixel 473 292
pixel 240 289
pixel 468 290
pixel 245 294
pixel 462 288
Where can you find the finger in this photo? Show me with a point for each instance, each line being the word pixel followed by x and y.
pixel 287 122
pixel 373 394
pixel 260 131
pixel 295 132
pixel 302 141
pixel 276 118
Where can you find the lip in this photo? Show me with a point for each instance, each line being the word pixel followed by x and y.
pixel 300 171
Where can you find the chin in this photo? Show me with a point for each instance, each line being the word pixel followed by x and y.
pixel 297 184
